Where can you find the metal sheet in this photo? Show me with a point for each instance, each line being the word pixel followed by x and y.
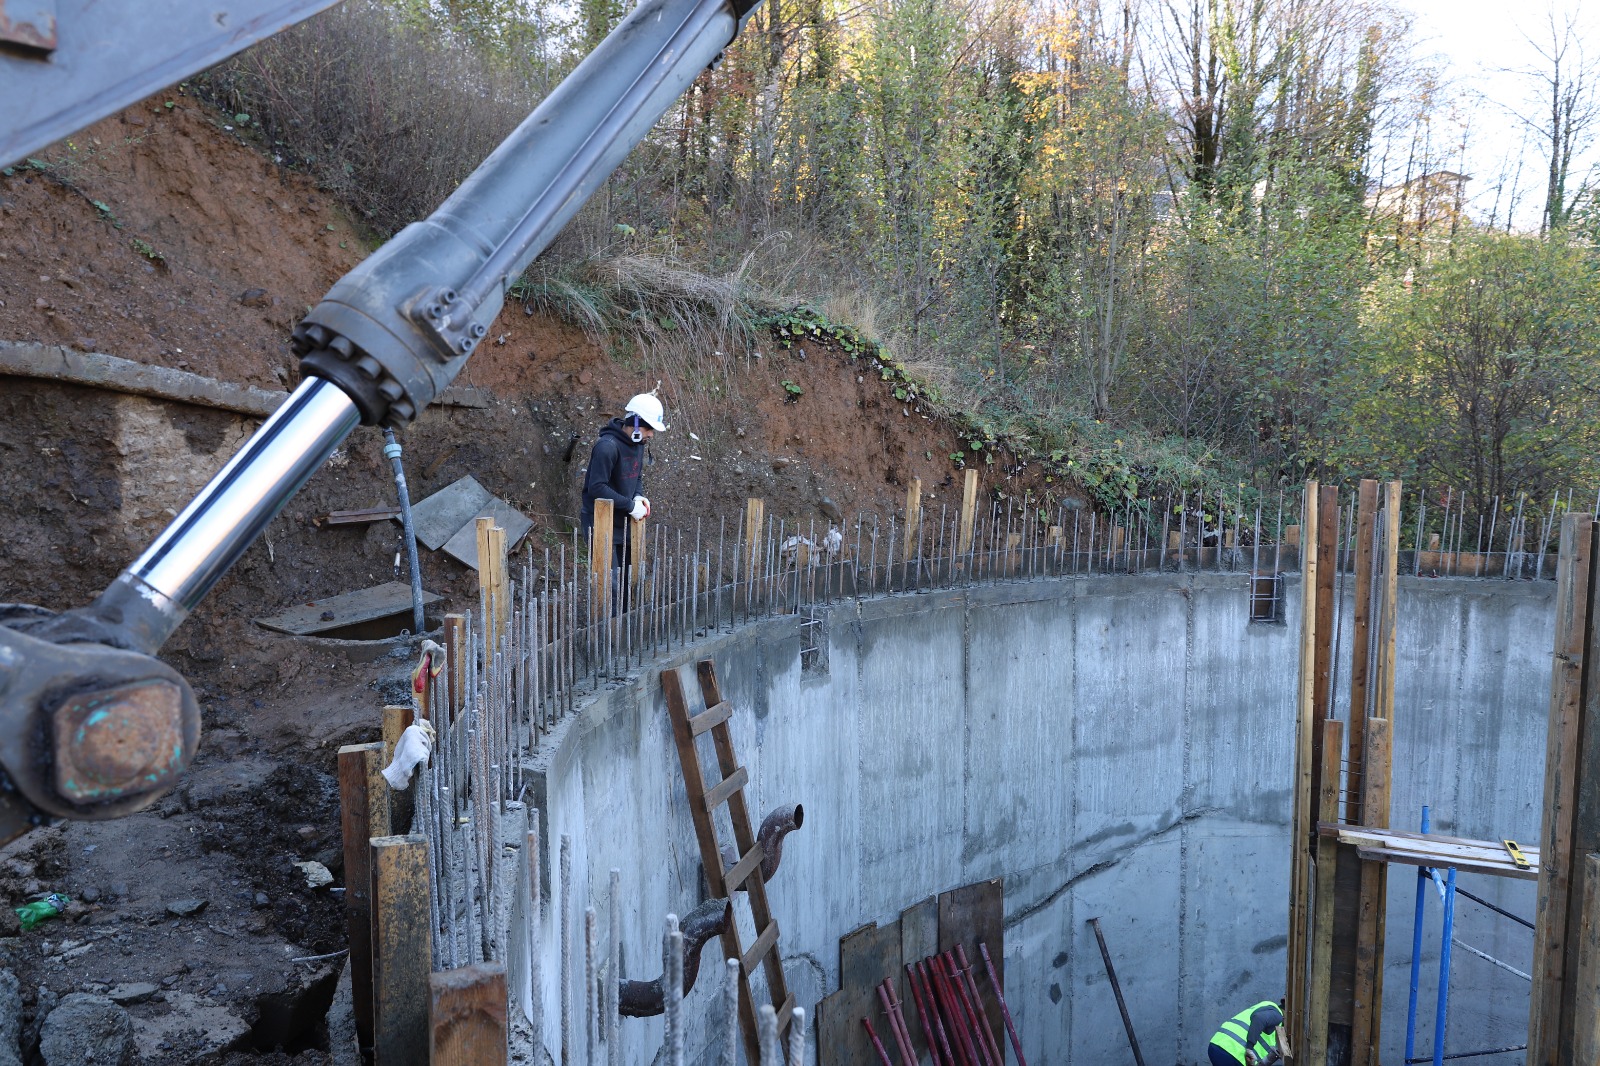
pixel 440 516
pixel 464 545
pixel 348 609
pixel 111 53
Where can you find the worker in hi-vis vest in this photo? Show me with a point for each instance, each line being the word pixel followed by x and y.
pixel 1253 1037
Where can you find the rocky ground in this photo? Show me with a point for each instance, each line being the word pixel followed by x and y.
pixel 160 235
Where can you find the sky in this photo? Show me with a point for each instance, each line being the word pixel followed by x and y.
pixel 1480 45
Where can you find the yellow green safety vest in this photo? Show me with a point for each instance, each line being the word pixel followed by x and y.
pixel 1236 1030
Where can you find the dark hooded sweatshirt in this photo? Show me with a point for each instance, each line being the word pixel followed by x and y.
pixel 616 469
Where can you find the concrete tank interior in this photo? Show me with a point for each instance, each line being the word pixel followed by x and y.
pixel 1117 747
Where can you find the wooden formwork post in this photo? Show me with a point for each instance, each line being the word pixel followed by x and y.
pixel 467 1016
pixel 1571 742
pixel 402 950
pixel 1366 1027
pixel 363 814
pixel 401 804
pixel 493 581
pixel 600 551
pixel 1304 800
pixel 455 666
pixel 969 510
pixel 1319 991
pixel 636 546
pixel 908 536
pixel 755 513
pixel 1360 632
pixel 1586 1021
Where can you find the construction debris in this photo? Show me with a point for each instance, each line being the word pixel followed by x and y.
pixel 448 518
pixel 354 615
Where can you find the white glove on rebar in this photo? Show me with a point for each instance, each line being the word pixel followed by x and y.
pixel 641 508
pixel 412 750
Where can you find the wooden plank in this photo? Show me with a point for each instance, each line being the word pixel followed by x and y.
pixel 919 938
pixel 1367 1028
pixel 358 764
pixel 726 788
pixel 600 552
pixel 758 950
pixel 467 1016
pixel 346 609
pixel 968 915
pixel 1586 1024
pixel 637 540
pixel 908 547
pixel 755 510
pixel 1442 851
pixel 402 949
pixel 969 510
pixel 786 1014
pixel 1360 639
pixel 401 804
pixel 1388 605
pixel 1304 813
pixel 866 956
pixel 1562 743
pixel 1405 837
pixel 463 547
pixel 743 868
pixel 1411 858
pixel 710 717
pixel 360 517
pixel 705 834
pixel 455 661
pixel 1578 999
pixel 1319 987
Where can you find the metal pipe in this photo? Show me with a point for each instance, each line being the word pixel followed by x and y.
pixel 1441 1014
pixel 969 1010
pixel 877 1045
pixel 922 1016
pixel 157 591
pixel 1005 1011
pixel 391 451
pixel 952 1012
pixel 977 1005
pixel 930 1004
pixel 646 999
pixel 1416 951
pixel 891 1009
pixel 1116 988
pixel 1471 1054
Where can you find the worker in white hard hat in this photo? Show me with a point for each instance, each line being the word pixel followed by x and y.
pixel 616 471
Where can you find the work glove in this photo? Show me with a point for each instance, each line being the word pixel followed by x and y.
pixel 412 750
pixel 641 509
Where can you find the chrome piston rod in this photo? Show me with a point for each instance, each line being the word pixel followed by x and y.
pixel 158 590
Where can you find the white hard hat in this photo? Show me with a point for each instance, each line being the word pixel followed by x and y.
pixel 649 409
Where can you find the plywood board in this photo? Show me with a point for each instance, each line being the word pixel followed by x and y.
pixel 866 957
pixel 971 914
pixel 347 609
pixel 442 515
pixel 463 546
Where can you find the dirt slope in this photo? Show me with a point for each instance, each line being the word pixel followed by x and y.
pixel 159 235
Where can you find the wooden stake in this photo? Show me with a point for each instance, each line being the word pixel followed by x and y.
pixel 636 544
pixel 1586 1021
pixel 1367 1026
pixel 1326 541
pixel 467 1016
pixel 361 804
pixel 1388 606
pixel 908 547
pixel 600 556
pixel 1361 637
pixel 1304 801
pixel 1561 781
pixel 969 510
pixel 402 949
pixel 402 805
pixel 1320 991
pixel 455 660
pixel 755 511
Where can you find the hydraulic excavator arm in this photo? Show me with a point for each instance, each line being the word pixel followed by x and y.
pixel 92 725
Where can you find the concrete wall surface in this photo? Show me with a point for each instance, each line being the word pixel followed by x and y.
pixel 1113 747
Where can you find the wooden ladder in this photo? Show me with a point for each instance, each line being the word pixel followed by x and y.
pixel 704 798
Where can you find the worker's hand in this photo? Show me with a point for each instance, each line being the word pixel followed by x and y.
pixel 1250 1059
pixel 641 508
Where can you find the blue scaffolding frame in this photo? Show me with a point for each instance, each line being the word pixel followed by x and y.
pixel 1447 889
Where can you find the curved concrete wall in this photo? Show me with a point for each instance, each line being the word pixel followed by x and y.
pixel 1118 747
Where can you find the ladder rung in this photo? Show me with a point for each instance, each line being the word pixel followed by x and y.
pixel 786 1013
pixel 758 950
pixel 742 869
pixel 731 784
pixel 712 716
